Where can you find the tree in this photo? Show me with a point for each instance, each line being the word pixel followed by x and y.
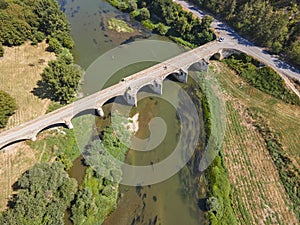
pixel 66 56
pixel 144 14
pixel 44 193
pixel 3 4
pixel 7 107
pixel 161 29
pixel 206 21
pixel 84 206
pixel 1 50
pixel 132 6
pixel 122 6
pixel 293 52
pixel 61 80
pixel 54 46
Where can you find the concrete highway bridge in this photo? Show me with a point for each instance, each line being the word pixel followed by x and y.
pixel 152 77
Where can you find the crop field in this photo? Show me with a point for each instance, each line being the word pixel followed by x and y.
pixel 258 193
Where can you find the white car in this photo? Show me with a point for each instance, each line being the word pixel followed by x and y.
pixel 221 39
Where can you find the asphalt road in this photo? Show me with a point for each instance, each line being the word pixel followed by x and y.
pixel 231 38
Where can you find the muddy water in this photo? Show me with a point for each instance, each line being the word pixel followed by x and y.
pixel 170 202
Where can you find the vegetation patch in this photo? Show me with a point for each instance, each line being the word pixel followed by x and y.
pixel 263 78
pixel 218 199
pixel 219 202
pixel 168 18
pixel 119 26
pixel 288 172
pixel 99 195
pixel 58 144
pixel 7 107
pixel 23 20
pixel 44 193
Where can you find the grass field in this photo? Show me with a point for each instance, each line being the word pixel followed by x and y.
pixel 20 69
pixel 258 194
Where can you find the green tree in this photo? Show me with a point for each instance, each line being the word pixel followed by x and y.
pixel 84 206
pixel 161 29
pixel 1 50
pixel 45 192
pixel 3 4
pixel 293 52
pixel 206 21
pixel 7 107
pixel 61 80
pixel 144 14
pixel 132 6
pixel 66 56
pixel 122 6
pixel 54 46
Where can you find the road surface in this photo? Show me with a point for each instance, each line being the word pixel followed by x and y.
pixel 231 38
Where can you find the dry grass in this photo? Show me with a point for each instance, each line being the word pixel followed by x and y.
pixel 13 163
pixel 259 196
pixel 20 69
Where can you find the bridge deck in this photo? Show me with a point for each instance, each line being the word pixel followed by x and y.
pixel 183 61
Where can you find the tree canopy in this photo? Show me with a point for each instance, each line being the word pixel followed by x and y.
pixel 7 107
pixel 44 193
pixel 168 18
pixel 60 79
pixel 22 20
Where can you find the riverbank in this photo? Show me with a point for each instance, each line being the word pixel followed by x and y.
pixel 162 17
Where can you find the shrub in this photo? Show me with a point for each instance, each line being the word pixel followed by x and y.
pixel 54 46
pixel 1 50
pixel 7 107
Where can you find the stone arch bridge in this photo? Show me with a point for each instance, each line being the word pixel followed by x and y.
pixel 152 77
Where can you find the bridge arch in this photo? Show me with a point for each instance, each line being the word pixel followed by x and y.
pixel 14 142
pixel 155 86
pixel 51 126
pixel 117 99
pixel 225 52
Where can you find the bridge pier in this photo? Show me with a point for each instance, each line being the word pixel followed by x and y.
pixel 130 97
pixel 157 86
pixel 100 111
pixel 69 124
pixel 181 76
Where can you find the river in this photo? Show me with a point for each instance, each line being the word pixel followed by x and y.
pixel 172 201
